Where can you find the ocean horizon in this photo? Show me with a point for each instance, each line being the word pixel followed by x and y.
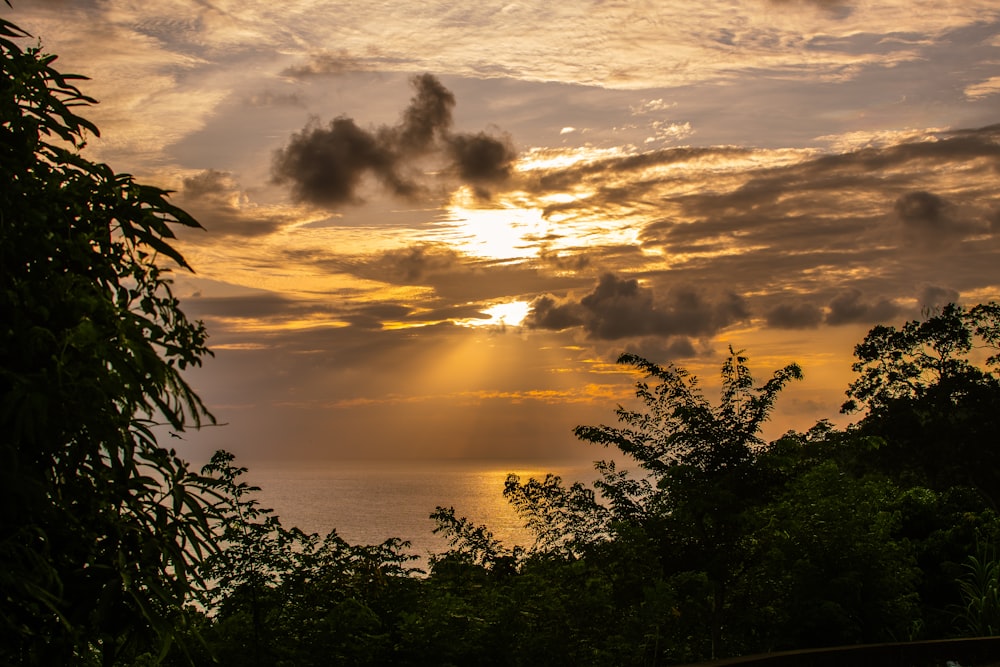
pixel 368 502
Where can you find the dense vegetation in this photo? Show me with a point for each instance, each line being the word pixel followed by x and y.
pixel 714 543
pixel 102 530
pixel 721 544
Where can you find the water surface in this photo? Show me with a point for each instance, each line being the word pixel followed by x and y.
pixel 368 503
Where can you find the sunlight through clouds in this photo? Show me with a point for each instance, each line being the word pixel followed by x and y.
pixel 500 315
pixel 419 204
pixel 503 233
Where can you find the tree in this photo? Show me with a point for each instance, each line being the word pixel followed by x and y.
pixel 255 550
pixel 701 479
pixel 283 597
pixel 833 562
pixel 101 526
pixel 932 394
pixel 912 361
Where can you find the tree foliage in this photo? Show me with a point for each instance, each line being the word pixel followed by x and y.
pixel 921 357
pixel 705 541
pixel 280 596
pixel 678 426
pixel 101 526
pixel 932 394
pixel 692 506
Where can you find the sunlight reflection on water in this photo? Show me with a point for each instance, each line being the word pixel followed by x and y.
pixel 369 503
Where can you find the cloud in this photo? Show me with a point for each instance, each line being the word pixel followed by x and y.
pixel 327 64
pixel 459 279
pixel 669 131
pixel 651 106
pixel 621 308
pixel 739 182
pixel 990 86
pixel 838 9
pixel 325 165
pixel 808 237
pixel 481 158
pixel 215 199
pixel 547 313
pixel 428 115
pixel 921 209
pixel 850 307
pixel 208 184
pixel 846 142
pixel 662 350
pixel 934 298
pixel 929 219
pixel 415 264
pixel 266 305
pixel 794 316
pixel 268 314
pixel 371 316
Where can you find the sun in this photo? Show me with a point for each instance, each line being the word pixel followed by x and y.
pixel 507 232
pixel 509 314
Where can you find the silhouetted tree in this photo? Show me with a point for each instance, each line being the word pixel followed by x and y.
pixel 101 527
pixel 933 399
pixel 284 597
pixel 692 506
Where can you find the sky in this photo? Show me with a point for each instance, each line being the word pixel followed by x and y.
pixel 430 228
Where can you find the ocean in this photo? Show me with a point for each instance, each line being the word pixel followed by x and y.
pixel 368 503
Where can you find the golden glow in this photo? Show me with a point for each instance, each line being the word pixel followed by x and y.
pixel 510 314
pixel 589 394
pixel 560 198
pixel 504 232
pixel 560 158
pixel 247 324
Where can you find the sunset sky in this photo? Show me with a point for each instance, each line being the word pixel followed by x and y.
pixel 432 227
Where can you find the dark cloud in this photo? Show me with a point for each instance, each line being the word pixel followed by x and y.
pixel 481 158
pixel 415 264
pixel 427 118
pixel 457 280
pixel 255 306
pixel 208 183
pixel 565 261
pixel 929 219
pixel 275 308
pixel 372 316
pixel 214 198
pixel 662 350
pixel 325 165
pixel 795 316
pixel 851 307
pixel 988 131
pixel 808 224
pixel 920 209
pixel 547 313
pixel 933 298
pixel 597 170
pixel 450 313
pixel 815 184
pixel 621 308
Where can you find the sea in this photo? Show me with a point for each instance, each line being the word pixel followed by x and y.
pixel 370 502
